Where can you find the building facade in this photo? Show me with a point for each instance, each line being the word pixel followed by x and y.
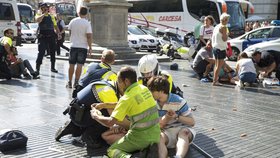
pixel 269 9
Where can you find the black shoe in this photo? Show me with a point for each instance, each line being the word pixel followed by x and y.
pixel 209 78
pixel 91 141
pixel 27 76
pixel 35 75
pixel 54 70
pixel 68 128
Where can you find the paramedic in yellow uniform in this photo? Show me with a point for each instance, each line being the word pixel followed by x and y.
pixel 138 104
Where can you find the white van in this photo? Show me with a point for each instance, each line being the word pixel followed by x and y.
pixel 9 18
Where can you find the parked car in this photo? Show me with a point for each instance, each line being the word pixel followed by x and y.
pixel 264 46
pixel 240 43
pixel 133 42
pixel 9 18
pixel 33 27
pixel 27 34
pixel 148 42
pixel 275 22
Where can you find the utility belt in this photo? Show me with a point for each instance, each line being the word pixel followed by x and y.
pixel 79 108
pixel 80 114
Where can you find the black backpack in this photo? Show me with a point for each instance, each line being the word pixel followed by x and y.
pixel 12 139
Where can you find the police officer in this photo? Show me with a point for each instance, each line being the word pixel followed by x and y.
pixel 81 122
pixel 5 50
pixel 46 36
pixel 97 71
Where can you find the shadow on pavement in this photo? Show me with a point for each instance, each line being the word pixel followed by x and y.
pixel 16 82
pixel 207 145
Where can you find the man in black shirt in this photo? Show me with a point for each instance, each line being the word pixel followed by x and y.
pixel 268 61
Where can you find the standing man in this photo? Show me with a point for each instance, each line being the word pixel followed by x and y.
pixel 61 26
pixel 139 105
pixel 81 39
pixel 46 37
pixel 219 43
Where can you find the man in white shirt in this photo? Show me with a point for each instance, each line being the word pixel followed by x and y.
pixel 81 39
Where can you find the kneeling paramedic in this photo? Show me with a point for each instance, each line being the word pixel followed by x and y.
pixel 139 105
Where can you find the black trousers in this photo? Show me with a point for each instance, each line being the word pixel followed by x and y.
pixel 60 44
pixel 43 44
pixel 5 71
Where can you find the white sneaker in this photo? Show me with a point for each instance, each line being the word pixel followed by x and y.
pixel 247 84
pixel 240 84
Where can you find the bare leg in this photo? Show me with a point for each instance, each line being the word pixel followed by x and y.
pixel 110 137
pixel 183 142
pixel 234 80
pixel 162 149
pixel 78 72
pixel 208 69
pixel 71 72
pixel 218 65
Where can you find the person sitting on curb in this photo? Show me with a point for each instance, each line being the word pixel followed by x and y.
pixel 139 105
pixel 20 67
pixel 203 62
pixel 5 50
pixel 246 71
pixel 176 119
pixel 267 61
pixel 97 71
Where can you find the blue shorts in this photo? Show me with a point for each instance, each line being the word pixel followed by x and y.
pixel 219 54
pixel 248 77
pixel 77 55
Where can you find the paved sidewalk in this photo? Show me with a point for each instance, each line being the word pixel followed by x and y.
pixel 230 121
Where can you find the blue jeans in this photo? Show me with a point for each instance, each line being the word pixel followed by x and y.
pixel 248 77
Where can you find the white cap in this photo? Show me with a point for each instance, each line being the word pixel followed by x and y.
pixel 224 15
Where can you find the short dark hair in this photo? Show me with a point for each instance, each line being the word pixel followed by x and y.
pixel 242 55
pixel 128 73
pixel 256 53
pixel 108 56
pixel 83 11
pixel 159 83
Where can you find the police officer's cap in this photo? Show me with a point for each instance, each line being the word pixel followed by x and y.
pixel 43 5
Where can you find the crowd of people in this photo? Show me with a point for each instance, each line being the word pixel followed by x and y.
pixel 254 25
pixel 212 58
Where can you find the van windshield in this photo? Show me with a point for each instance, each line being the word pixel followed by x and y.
pixel 6 11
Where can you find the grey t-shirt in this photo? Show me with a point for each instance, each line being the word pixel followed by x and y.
pixel 202 54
